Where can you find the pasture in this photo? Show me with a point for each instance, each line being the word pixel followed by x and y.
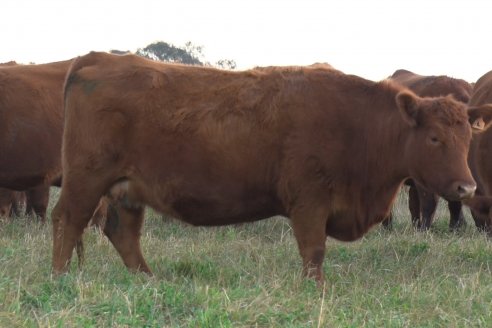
pixel 249 276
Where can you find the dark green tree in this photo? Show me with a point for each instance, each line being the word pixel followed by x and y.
pixel 164 51
pixel 190 54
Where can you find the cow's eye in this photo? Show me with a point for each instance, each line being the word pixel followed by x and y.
pixel 435 141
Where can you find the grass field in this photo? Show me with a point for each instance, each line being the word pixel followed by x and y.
pixel 249 276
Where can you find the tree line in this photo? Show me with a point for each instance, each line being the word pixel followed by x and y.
pixel 189 54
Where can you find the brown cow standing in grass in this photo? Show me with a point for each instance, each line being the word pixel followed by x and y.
pixel 480 157
pixel 423 203
pixel 35 199
pixel 31 129
pixel 213 147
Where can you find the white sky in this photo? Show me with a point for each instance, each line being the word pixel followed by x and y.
pixel 370 38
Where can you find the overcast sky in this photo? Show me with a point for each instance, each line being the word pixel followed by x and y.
pixel 370 38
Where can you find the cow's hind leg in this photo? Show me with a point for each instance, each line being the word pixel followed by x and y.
pixel 457 219
pixel 123 228
pixel 18 204
pixel 71 215
pixel 37 201
pixel 414 205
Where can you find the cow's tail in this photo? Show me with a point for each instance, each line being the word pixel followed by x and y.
pixel 76 65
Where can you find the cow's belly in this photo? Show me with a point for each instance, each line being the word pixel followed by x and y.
pixel 226 210
pixel 216 205
pixel 346 226
pixel 22 181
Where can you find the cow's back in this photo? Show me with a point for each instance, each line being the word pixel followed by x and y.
pixel 196 104
pixel 434 86
pixel 482 90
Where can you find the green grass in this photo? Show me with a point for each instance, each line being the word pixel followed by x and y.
pixel 249 276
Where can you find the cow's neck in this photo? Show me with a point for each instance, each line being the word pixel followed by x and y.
pixel 373 177
pixel 387 165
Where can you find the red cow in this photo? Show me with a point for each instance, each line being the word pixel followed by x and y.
pixel 31 130
pixel 480 156
pixel 213 147
pixel 423 203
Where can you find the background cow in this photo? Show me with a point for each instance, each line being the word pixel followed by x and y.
pixel 422 202
pixel 213 147
pixel 480 157
pixel 31 130
pixel 35 200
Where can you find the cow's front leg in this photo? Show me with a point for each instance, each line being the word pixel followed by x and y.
pixel 428 205
pixel 309 225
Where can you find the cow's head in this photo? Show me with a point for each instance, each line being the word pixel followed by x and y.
pixel 437 146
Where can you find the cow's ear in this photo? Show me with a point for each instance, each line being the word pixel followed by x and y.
pixel 407 103
pixel 480 117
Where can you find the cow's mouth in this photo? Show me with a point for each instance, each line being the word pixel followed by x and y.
pixel 458 190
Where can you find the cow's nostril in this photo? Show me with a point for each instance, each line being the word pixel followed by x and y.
pixel 466 190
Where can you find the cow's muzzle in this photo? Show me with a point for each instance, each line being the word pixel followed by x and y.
pixel 462 190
